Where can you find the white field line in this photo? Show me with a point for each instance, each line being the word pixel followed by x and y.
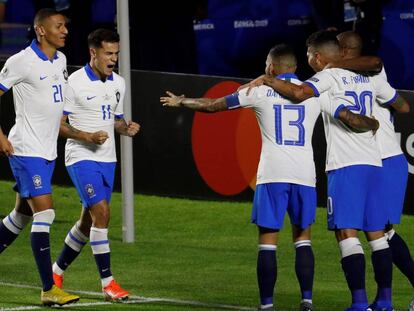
pixel 132 300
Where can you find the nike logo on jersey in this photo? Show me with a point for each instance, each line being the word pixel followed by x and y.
pixel 90 97
pixel 42 78
pixel 43 249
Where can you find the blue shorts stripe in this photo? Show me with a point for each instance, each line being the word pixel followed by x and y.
pixel 99 242
pixel 75 239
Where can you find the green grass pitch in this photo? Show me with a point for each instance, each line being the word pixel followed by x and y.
pixel 187 253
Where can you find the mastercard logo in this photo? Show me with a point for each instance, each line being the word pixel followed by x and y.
pixel 226 145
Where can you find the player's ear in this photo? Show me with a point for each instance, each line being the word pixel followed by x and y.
pixel 92 52
pixel 40 30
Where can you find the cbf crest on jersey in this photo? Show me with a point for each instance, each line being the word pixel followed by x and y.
pixel 65 74
pixel 37 181
pixel 118 96
pixel 89 190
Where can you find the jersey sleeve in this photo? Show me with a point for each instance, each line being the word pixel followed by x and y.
pixel 241 99
pixel 385 93
pixel 14 71
pixel 120 95
pixel 70 100
pixel 320 82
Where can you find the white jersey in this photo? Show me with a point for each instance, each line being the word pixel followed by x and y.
pixel 38 92
pixel 92 105
pixel 342 88
pixel 286 129
pixel 386 137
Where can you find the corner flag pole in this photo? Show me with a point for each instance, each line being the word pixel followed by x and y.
pixel 127 168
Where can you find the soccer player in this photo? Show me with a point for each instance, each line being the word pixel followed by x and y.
pixel 353 163
pixel 94 106
pixel 394 165
pixel 286 172
pixel 38 76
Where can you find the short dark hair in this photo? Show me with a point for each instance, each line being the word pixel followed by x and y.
pixel 100 35
pixel 44 14
pixel 322 37
pixel 282 50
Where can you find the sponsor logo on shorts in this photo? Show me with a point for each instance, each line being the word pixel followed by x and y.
pixel 89 190
pixel 37 181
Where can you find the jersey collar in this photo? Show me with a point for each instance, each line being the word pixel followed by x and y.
pixel 40 53
pixel 92 76
pixel 287 75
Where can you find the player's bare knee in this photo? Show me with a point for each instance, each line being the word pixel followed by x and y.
pixel 299 234
pixel 267 236
pixel 343 234
pixel 374 235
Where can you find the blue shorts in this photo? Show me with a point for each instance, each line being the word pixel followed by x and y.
pixel 353 199
pixel 33 175
pixel 391 189
pixel 93 180
pixel 271 201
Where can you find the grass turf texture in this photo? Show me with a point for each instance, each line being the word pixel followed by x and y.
pixel 188 250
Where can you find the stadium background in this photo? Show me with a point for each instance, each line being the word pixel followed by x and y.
pixel 194 49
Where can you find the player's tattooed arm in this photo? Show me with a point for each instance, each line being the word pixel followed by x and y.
pixel 68 131
pixel 401 105
pixel 127 129
pixel 198 104
pixel 357 122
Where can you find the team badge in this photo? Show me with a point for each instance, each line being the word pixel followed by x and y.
pixel 118 96
pixel 65 74
pixel 89 190
pixel 37 181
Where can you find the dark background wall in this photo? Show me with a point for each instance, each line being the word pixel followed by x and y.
pixel 164 160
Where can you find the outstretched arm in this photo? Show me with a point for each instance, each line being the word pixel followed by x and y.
pixel 362 63
pixel 68 131
pixel 357 122
pixel 127 129
pixel 198 104
pixel 296 93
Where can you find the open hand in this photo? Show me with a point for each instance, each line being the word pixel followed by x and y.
pixel 171 100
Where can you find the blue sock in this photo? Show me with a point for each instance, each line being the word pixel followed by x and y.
pixel 41 252
pixel 66 257
pixel 6 237
pixel 354 270
pixel 304 267
pixel 103 261
pixel 266 272
pixel 10 228
pixel 74 242
pixel 100 249
pixel 41 224
pixel 382 264
pixel 401 256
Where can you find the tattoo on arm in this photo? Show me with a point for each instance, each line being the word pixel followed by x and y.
pixel 357 122
pixel 205 104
